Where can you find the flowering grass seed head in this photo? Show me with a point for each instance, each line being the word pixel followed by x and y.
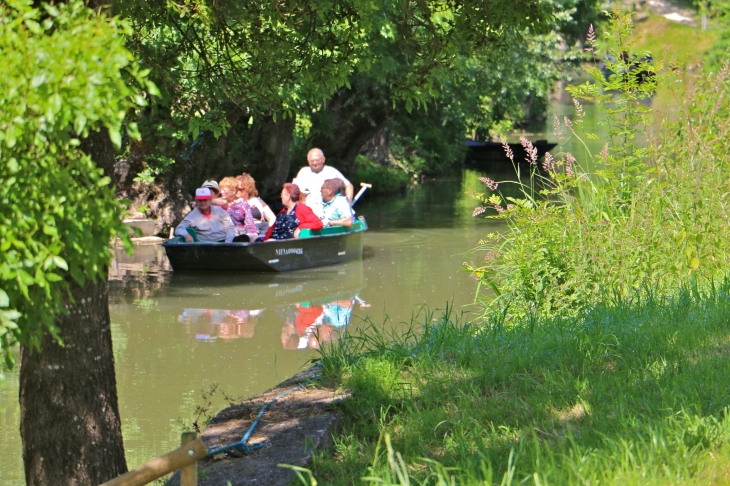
pixel 578 110
pixel 530 150
pixel 489 183
pixel 591 39
pixel 557 129
pixel 604 152
pixel 569 159
pixel 549 162
pixel 507 149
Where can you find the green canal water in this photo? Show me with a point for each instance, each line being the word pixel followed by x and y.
pixel 177 335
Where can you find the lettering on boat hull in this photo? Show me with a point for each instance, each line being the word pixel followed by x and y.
pixel 289 251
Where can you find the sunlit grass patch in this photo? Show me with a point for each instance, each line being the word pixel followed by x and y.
pixel 631 393
pixel 663 37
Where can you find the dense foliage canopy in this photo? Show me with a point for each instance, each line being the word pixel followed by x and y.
pixel 66 72
pixel 231 66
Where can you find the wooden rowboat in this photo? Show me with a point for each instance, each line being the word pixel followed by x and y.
pixel 328 246
pixel 491 155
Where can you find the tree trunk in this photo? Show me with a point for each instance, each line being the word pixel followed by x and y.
pixel 377 148
pixel 350 120
pixel 276 156
pixel 69 414
pixel 99 146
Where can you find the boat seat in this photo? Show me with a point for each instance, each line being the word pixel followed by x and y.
pixel 331 230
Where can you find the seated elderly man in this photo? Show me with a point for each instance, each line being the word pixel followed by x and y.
pixel 336 207
pixel 211 223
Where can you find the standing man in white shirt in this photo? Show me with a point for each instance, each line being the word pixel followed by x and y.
pixel 310 180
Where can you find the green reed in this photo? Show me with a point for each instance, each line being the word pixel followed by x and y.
pixel 650 210
pixel 633 392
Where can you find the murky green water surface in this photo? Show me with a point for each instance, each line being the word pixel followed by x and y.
pixel 176 334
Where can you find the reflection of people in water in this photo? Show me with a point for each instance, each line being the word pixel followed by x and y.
pixel 211 324
pixel 312 325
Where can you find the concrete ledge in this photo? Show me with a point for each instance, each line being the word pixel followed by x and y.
pixel 148 227
pixel 291 429
pixel 148 240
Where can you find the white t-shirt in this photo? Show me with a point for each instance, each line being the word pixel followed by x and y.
pixel 309 181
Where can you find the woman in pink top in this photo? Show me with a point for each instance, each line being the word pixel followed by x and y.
pixel 263 216
pixel 239 210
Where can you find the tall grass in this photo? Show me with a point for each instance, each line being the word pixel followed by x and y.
pixel 649 211
pixel 634 392
pixel 604 353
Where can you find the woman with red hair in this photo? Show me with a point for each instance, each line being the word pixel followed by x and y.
pixel 294 217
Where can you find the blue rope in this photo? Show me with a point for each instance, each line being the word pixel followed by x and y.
pixel 245 449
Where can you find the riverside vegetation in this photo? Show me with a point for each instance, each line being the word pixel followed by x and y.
pixel 602 355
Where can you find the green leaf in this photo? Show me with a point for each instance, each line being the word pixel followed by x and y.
pixel 60 263
pixel 4 299
pixel 115 136
pixel 10 136
pixel 152 88
pixel 694 264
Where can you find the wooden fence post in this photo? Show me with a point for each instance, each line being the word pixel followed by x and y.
pixel 191 452
pixel 189 473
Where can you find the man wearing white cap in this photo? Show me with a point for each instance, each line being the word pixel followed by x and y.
pixel 211 223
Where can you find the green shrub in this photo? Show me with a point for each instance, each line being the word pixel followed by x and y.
pixel 385 179
pixel 653 212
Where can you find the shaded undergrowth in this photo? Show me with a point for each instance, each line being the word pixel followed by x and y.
pixel 634 392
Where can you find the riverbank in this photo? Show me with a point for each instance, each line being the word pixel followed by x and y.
pixel 629 393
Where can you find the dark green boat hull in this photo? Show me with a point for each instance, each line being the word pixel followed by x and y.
pixel 270 256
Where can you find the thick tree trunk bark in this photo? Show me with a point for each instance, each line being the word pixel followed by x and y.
pixel 69 414
pixel 276 155
pixel 377 148
pixel 350 120
pixel 99 146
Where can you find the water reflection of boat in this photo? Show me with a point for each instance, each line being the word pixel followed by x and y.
pixel 226 290
pixel 304 324
pixel 212 324
pixel 491 155
pixel 325 247
pixel 316 323
pixel 310 306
